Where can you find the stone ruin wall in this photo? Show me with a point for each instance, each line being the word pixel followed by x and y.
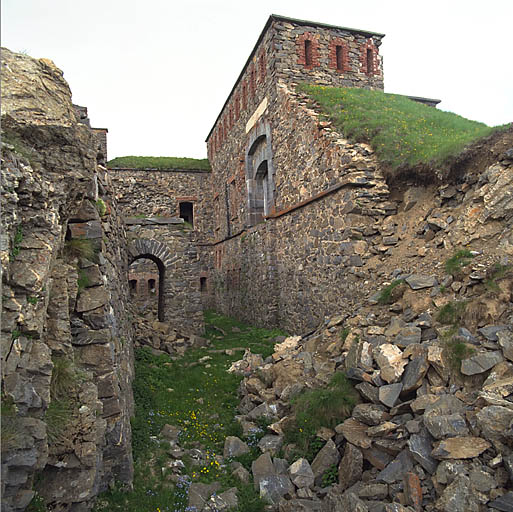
pixel 352 71
pixel 149 193
pixel 282 271
pixel 66 333
pixel 302 263
pixel 182 306
pixel 166 189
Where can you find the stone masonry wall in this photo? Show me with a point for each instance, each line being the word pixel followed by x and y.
pixel 166 189
pixel 256 269
pixel 66 338
pixel 172 245
pixel 302 262
pixel 349 70
pixel 278 59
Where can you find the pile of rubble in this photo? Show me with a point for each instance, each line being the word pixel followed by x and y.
pixel 434 426
pixel 163 339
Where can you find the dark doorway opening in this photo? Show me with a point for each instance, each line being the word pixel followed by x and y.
pixel 187 212
pixel 149 296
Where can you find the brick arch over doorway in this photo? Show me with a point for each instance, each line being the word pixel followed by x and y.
pixel 162 257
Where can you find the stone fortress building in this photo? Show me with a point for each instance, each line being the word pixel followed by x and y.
pixel 276 233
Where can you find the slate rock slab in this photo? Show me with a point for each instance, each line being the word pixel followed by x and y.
pixel 504 503
pixel 458 497
pixel 274 487
pixel 480 363
pixel 396 470
pixel 420 448
pixel 355 433
pixel 450 425
pixel 350 467
pixel 460 448
pixel 199 494
pixel 301 474
pixel 327 456
pixel 234 447
pixel 408 335
pixel 419 281
pixel 496 422
pixel 414 373
pixel 389 394
pixel 490 331
pixel 262 467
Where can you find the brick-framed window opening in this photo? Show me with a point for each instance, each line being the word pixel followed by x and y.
pixel 308 52
pixel 307 48
pixel 244 96
pixel 262 67
pixel 339 55
pixel 369 62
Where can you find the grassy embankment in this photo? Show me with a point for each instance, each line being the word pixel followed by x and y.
pixel 401 131
pixel 159 162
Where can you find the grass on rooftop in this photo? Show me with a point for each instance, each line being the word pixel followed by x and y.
pixel 401 131
pixel 159 162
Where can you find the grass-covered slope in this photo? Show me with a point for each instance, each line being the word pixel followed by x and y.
pixel 158 162
pixel 400 130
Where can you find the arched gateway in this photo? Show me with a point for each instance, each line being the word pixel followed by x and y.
pixel 161 256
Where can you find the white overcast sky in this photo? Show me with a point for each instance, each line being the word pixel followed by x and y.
pixel 157 72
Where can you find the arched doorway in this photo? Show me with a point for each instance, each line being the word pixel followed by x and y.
pixel 151 283
pixel 259 173
pixel 146 278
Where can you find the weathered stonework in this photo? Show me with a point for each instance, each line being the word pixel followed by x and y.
pixel 167 190
pixel 65 298
pixel 289 194
pixel 170 245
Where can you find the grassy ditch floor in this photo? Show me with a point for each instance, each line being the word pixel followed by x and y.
pixel 197 394
pixel 401 131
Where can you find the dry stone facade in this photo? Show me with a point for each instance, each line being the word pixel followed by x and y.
pixel 272 222
pixel 289 195
pixel 66 333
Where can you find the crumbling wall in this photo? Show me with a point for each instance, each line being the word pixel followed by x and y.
pixel 66 337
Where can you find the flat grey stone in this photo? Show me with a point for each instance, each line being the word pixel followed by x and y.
pixel 262 468
pixel 327 456
pixel 270 443
pixel 458 497
pixel 480 363
pixel 274 487
pixel 496 422
pixel 408 335
pixel 370 414
pixel 301 474
pixel 505 339
pixel 199 494
pixel 396 470
pixel 490 331
pixel 504 503
pixel 419 281
pixel 350 467
pixel 482 481
pixel 414 373
pixel 234 447
pixel 420 448
pixel 389 394
pixel 450 425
